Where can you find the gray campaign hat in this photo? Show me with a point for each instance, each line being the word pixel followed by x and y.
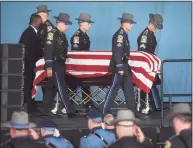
pixel 157 20
pixel 180 109
pixel 125 115
pixel 127 17
pixel 63 17
pixel 19 120
pixel 84 17
pixel 42 8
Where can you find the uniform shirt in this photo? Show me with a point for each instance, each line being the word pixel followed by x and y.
pixel 182 140
pixel 147 41
pixel 23 142
pixel 120 46
pixel 42 33
pixel 57 142
pixel 93 141
pixel 80 41
pixel 56 47
pixel 131 142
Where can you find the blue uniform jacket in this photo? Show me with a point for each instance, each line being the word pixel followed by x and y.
pixel 57 142
pixel 92 141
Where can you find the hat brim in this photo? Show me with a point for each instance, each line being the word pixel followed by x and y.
pixel 151 17
pixel 126 20
pixel 135 120
pixel 8 124
pixel 172 115
pixel 89 21
pixel 43 11
pixel 66 22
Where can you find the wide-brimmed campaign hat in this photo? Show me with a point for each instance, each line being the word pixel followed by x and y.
pixel 179 109
pixel 125 115
pixel 63 17
pixel 19 120
pixel 157 20
pixel 42 8
pixel 127 17
pixel 84 17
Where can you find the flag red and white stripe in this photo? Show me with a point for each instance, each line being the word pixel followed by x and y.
pixel 144 67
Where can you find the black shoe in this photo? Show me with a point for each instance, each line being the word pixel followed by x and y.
pixel 71 115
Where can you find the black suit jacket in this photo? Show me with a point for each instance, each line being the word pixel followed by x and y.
pixel 32 45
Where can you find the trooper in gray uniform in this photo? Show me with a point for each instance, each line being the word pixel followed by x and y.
pixel 181 117
pixel 98 136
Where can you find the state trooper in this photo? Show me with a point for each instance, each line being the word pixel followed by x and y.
pixel 119 65
pixel 128 133
pixel 147 43
pixel 98 136
pixel 21 132
pixel 55 54
pixel 181 117
pixel 51 136
pixel 80 41
pixel 46 26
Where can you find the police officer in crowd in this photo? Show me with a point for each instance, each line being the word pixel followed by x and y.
pixel 128 133
pixel 51 136
pixel 32 53
pixel 80 41
pixel 21 132
pixel 147 43
pixel 181 117
pixel 119 65
pixel 98 136
pixel 46 25
pixel 55 54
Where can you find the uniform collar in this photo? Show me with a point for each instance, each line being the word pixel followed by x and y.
pixel 124 32
pixel 83 32
pixel 96 128
pixel 34 29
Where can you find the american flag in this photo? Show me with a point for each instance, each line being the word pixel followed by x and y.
pixel 144 67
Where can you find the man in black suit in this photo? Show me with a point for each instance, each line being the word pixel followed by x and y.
pixel 33 53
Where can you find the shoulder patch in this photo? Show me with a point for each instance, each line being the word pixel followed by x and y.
pixel 142 46
pixel 49 28
pixel 168 144
pixel 143 39
pixel 76 40
pixel 50 36
pixel 120 39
